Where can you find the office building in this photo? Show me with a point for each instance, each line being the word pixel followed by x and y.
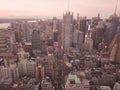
pixel 28 68
pixel 36 42
pixel 22 54
pixel 82 25
pixel 78 39
pixel 25 32
pixel 67 31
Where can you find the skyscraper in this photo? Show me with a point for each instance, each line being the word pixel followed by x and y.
pixel 67 31
pixel 114 25
pixel 77 39
pixel 36 42
pixel 99 34
pixel 82 24
pixel 115 47
pixel 25 32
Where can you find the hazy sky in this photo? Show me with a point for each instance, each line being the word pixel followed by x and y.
pixel 50 8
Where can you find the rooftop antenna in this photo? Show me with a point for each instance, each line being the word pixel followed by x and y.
pixel 116 7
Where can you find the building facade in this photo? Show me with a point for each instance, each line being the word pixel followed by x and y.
pixel 67 31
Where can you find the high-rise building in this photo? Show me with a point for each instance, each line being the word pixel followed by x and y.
pixel 36 42
pixel 25 32
pixel 9 73
pixel 5 73
pixel 22 54
pixel 27 68
pixel 67 31
pixel 22 67
pixel 113 28
pixel 4 41
pixel 82 25
pixel 31 69
pixel 78 39
pixel 55 24
pixel 116 86
pixel 99 34
pixel 115 47
pixel 88 44
pixel 14 72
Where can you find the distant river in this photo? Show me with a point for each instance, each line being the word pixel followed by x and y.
pixel 4 25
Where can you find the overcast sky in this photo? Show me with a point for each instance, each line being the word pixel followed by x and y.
pixel 50 8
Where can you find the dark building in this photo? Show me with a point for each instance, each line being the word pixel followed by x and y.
pixel 36 42
pixel 115 47
pixel 99 34
pixel 25 32
pixel 82 25
pixel 114 25
pixel 55 36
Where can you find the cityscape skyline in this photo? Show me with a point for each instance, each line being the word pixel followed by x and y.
pixel 46 8
pixel 59 45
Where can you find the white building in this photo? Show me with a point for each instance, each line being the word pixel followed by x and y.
pixel 75 83
pixel 27 68
pixel 116 86
pixel 22 54
pixel 88 44
pixel 5 73
pixel 103 88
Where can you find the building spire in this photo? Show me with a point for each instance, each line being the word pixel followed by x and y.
pixel 116 8
pixel 98 15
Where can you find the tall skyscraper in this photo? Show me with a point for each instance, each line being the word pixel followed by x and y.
pixel 114 25
pixel 55 24
pixel 88 43
pixel 99 34
pixel 115 47
pixel 77 39
pixel 25 32
pixel 36 42
pixel 67 31
pixel 82 24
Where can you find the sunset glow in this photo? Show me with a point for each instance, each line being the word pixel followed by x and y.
pixel 49 8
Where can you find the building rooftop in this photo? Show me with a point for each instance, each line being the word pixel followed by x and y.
pixel 104 88
pixel 74 78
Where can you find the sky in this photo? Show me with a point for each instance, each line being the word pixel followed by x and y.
pixel 51 8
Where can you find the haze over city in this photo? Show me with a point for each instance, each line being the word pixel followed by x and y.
pixel 50 8
pixel 59 44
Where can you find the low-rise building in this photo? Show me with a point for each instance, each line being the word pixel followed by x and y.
pixel 76 83
pixel 46 85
